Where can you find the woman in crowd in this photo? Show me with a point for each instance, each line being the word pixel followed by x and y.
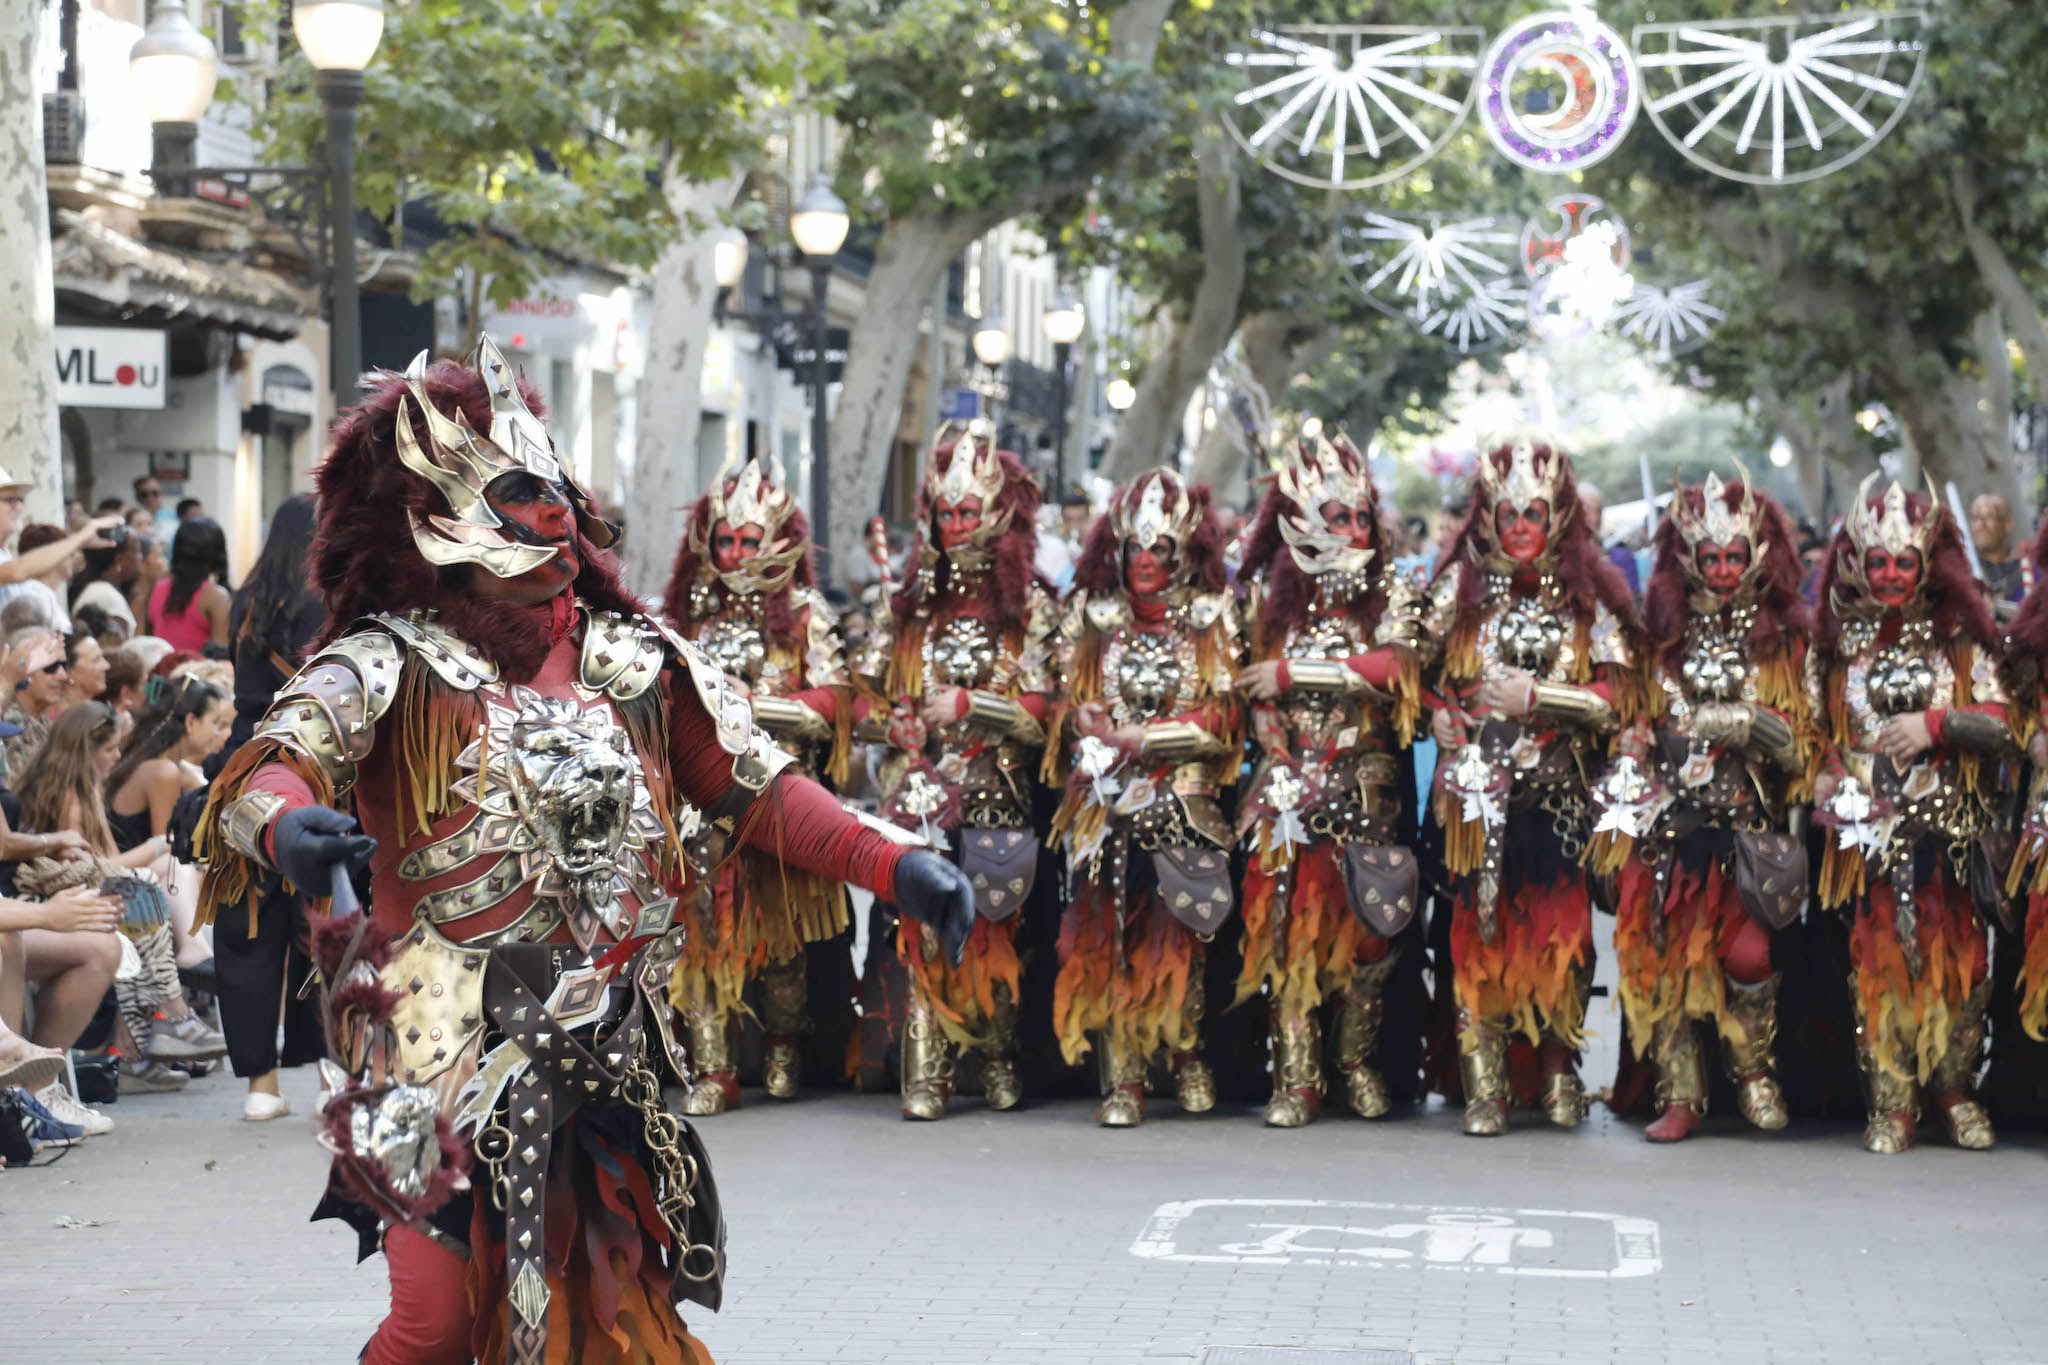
pixel 1334 686
pixel 62 788
pixel 2025 673
pixel 957 676
pixel 1536 648
pixel 1148 652
pixel 122 690
pixel 184 724
pixel 1903 680
pixel 259 958
pixel 104 582
pixel 1696 802
pixel 152 566
pixel 47 590
pixel 85 669
pixel 189 606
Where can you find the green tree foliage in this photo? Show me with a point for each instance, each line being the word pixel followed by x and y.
pixel 545 126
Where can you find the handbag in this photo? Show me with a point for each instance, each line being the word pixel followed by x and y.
pixel 1381 883
pixel 143 906
pixel 1194 881
pixel 1002 865
pixel 1770 876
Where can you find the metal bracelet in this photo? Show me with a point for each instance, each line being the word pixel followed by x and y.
pixel 1004 716
pixel 1565 704
pixel 1976 732
pixel 246 819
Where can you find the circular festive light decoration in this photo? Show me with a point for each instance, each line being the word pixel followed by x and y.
pixel 1600 96
pixel 1780 100
pixel 1543 243
pixel 1349 106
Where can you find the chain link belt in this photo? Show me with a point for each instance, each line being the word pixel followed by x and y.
pixel 561 1075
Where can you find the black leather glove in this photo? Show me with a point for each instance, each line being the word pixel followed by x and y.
pixel 311 841
pixel 931 890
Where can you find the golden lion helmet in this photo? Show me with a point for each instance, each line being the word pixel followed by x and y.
pixel 1720 524
pixel 759 497
pixel 1325 470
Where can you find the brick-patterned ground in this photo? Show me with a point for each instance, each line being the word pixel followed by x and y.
pixel 857 1237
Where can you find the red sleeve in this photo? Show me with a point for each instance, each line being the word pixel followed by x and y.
pixel 1603 690
pixel 1378 667
pixel 804 825
pixel 823 700
pixel 1035 704
pixel 796 819
pixel 1937 721
pixel 279 780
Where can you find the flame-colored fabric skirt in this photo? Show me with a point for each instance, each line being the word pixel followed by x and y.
pixel 1684 978
pixel 2034 970
pixel 609 1286
pixel 1135 993
pixel 1526 975
pixel 756 911
pixel 1320 943
pixel 1911 1017
pixel 963 997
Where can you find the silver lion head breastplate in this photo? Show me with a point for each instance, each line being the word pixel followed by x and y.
pixel 572 777
pixel 961 653
pixel 1900 680
pixel 1144 676
pixel 1529 634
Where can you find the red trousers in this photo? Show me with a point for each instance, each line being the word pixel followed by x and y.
pixel 429 1320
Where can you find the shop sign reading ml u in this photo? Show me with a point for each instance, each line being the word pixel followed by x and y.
pixel 110 367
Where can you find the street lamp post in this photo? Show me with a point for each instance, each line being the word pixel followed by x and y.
pixel 991 343
pixel 1064 322
pixel 818 224
pixel 174 66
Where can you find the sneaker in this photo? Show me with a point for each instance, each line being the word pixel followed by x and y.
pixel 184 1040
pixel 44 1129
pixel 33 1071
pixel 150 1077
pixel 59 1100
pixel 258 1107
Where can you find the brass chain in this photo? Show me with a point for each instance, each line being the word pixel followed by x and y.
pixel 677 1168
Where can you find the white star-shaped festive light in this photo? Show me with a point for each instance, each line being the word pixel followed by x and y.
pixel 1775 101
pixel 1451 278
pixel 1346 94
pixel 1670 321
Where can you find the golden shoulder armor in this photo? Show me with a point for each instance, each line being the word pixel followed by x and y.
pixel 730 714
pixel 441 650
pixel 622 656
pixel 330 709
pixel 1108 614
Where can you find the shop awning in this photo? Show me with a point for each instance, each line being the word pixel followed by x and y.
pixel 107 273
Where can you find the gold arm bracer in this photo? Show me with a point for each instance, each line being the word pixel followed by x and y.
pixel 788 718
pixel 1324 675
pixel 1178 741
pixel 1977 733
pixel 1004 716
pixel 245 820
pixel 1566 704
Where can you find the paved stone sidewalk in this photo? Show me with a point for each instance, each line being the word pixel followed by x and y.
pixel 1035 1237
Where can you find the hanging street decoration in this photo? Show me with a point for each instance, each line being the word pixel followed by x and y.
pixel 1571 216
pixel 1452 279
pixel 1668 321
pixel 1580 73
pixel 1767 101
pixel 1782 100
pixel 1347 106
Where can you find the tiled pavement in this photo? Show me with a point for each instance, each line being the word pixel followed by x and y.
pixel 1035 1237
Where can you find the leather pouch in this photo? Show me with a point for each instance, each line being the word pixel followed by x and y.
pixel 1770 876
pixel 1381 882
pixel 1194 881
pixel 1002 864
pixel 1990 857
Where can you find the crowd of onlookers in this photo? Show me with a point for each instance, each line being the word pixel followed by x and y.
pixel 120 673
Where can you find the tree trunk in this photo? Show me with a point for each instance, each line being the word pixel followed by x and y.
pixel 1995 408
pixel 30 443
pixel 1192 341
pixel 2015 301
pixel 1822 434
pixel 911 262
pixel 669 406
pixel 1937 406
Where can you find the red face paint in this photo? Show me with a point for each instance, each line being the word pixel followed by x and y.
pixel 958 521
pixel 1354 523
pixel 533 513
pixel 1893 578
pixel 731 547
pixel 1722 565
pixel 1147 572
pixel 1524 531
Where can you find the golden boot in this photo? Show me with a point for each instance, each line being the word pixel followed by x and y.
pixel 1194 1086
pixel 1564 1094
pixel 1123 1088
pixel 1893 1101
pixel 1361 1009
pixel 927 1062
pixel 1955 1076
pixel 1753 1013
pixel 1681 1081
pixel 1297 1070
pixel 783 990
pixel 1483 1065
pixel 998 1056
pixel 715 1086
